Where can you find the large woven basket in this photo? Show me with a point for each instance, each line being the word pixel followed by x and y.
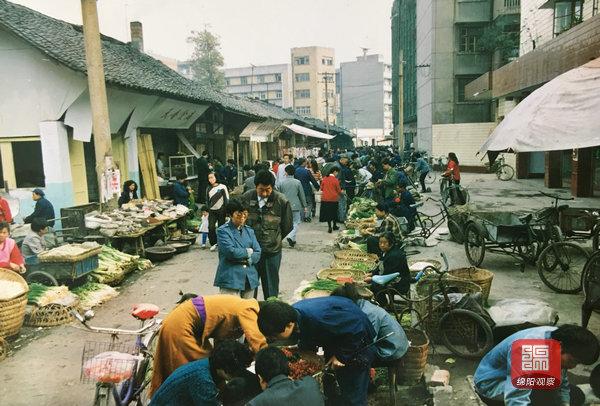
pixel 333 274
pixel 425 304
pixel 12 311
pixel 347 264
pixel 355 255
pixel 53 314
pixel 3 348
pixel 414 361
pixel 479 276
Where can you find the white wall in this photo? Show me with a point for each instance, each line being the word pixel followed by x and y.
pixel 462 139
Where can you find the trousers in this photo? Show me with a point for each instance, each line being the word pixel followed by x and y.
pixel 268 271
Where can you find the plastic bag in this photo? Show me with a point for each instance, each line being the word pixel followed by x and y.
pixel 508 312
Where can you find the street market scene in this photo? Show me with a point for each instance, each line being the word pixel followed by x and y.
pixel 300 203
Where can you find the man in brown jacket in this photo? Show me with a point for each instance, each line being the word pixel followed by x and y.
pixel 270 215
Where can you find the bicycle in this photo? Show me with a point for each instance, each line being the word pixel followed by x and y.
pixel 429 223
pixel 450 191
pixel 117 368
pixel 503 171
pixel 464 332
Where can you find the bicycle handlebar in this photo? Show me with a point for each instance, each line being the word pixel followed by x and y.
pixel 115 331
pixel 555 196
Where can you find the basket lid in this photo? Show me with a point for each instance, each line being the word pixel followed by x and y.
pixel 8 275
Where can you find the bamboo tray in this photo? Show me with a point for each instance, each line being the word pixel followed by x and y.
pixel 355 255
pixel 44 257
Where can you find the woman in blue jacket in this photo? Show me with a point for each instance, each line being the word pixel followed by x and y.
pixel 239 252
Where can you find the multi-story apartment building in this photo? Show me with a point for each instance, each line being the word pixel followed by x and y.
pixel 448 49
pixel 365 88
pixel 270 83
pixel 313 75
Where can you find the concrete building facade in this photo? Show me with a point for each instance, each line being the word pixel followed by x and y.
pixel 313 76
pixel 365 92
pixel 270 83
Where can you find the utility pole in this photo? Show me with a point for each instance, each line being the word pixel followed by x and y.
pixel 326 78
pixel 98 99
pixel 400 129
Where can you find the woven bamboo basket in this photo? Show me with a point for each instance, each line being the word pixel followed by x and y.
pixel 56 258
pixel 425 304
pixel 347 264
pixel 479 276
pixel 333 274
pixel 355 255
pixel 3 348
pixel 53 314
pixel 414 361
pixel 12 311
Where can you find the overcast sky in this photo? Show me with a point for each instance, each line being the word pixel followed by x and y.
pixel 257 31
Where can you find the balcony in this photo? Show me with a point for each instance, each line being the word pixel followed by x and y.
pixel 506 7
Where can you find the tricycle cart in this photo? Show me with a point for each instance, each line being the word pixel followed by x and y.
pixel 69 271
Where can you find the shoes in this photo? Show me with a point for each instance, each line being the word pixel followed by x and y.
pixel 213 248
pixel 329 231
pixel 291 242
pixel 335 228
pixel 203 246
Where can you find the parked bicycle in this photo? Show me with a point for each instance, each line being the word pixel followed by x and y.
pixel 453 194
pixel 502 170
pixel 120 369
pixel 464 332
pixel 428 223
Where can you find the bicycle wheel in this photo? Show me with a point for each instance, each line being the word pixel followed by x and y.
pixel 465 333
pixel 560 266
pixel 590 280
pixel 474 245
pixel 505 172
pixel 103 395
pixel 430 178
pixel 456 231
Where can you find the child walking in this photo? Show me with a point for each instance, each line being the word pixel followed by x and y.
pixel 204 226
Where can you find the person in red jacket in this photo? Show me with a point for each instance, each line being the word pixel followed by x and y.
pixel 5 214
pixel 331 192
pixel 453 170
pixel 10 256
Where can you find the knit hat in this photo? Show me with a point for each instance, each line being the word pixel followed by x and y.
pixel 39 192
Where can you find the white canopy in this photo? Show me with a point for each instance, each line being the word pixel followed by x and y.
pixel 563 114
pixel 308 132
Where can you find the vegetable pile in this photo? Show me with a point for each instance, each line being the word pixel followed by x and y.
pixel 93 294
pixel 323 284
pixel 361 208
pixel 299 368
pixel 114 265
pixel 359 247
pixel 42 295
pixel 362 266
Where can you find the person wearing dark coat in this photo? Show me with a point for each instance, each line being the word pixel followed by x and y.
pixel 307 179
pixel 43 208
pixel 181 193
pixel 273 368
pixel 129 192
pixel 393 259
pixel 202 170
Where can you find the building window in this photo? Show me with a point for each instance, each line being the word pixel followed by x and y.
pixel 468 39
pixel 278 77
pixel 567 14
pixel 461 83
pixel 263 95
pixel 227 82
pixel 327 61
pixel 260 78
pixel 331 94
pixel 28 164
pixel 302 60
pixel 302 94
pixel 278 95
pixel 303 110
pixel 244 80
pixel 302 77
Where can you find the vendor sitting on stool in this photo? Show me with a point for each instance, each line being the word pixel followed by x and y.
pixel 35 243
pixel 43 208
pixel 10 256
pixel 393 260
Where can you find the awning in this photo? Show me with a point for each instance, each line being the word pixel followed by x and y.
pixel 261 131
pixel 561 115
pixel 309 133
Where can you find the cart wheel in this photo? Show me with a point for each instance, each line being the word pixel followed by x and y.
pixel 42 277
pixel 466 333
pixel 596 239
pixel 430 178
pixel 505 172
pixel 474 245
pixel 560 267
pixel 455 231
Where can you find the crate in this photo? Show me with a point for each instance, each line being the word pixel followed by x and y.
pixel 577 220
pixel 75 217
pixel 69 270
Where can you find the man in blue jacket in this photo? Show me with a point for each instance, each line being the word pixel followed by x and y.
pixel 181 193
pixel 339 326
pixel 307 179
pixel 43 208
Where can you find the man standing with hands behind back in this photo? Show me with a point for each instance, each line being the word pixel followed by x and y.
pixel 270 215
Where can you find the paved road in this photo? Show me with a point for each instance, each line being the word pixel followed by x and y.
pixel 44 369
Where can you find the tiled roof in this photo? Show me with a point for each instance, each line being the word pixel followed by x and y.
pixel 125 66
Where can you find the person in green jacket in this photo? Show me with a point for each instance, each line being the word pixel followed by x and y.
pixel 390 180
